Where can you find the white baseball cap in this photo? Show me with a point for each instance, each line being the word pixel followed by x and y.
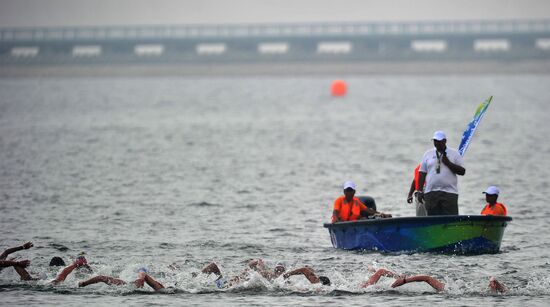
pixel 492 190
pixel 439 136
pixel 349 184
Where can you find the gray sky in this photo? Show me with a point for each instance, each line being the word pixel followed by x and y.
pixel 21 13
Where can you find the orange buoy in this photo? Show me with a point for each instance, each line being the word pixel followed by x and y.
pixel 338 88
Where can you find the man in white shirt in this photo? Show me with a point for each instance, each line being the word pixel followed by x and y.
pixel 439 168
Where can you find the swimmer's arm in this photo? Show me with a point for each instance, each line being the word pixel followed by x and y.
pixel 15 249
pixel 23 273
pixel 256 264
pixel 8 263
pixel 19 267
pixel 377 275
pixel 139 282
pixel 307 272
pixel 212 268
pixel 153 283
pixel 496 286
pixel 104 279
pixel 63 275
pixel 436 284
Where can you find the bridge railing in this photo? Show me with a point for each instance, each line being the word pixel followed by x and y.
pixel 273 30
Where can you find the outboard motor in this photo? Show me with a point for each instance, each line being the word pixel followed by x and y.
pixel 368 201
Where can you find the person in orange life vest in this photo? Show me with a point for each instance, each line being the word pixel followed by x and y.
pixel 492 207
pixel 350 208
pixel 420 208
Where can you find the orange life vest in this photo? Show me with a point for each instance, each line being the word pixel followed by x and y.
pixel 497 209
pixel 348 211
pixel 416 176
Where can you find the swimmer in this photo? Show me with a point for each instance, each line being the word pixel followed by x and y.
pixel 402 279
pixel 494 285
pixel 142 278
pixel 258 265
pixel 310 275
pixel 221 282
pixel 18 266
pixel 80 262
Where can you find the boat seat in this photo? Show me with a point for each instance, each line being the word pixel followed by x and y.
pixel 368 201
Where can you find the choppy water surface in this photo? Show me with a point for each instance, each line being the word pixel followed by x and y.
pixel 159 171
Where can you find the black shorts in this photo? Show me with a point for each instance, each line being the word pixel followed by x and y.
pixel 441 203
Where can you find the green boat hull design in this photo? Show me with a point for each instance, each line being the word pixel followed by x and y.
pixel 461 234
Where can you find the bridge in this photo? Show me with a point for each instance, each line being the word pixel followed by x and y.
pixel 455 40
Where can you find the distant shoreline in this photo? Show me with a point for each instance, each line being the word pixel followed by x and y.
pixel 276 69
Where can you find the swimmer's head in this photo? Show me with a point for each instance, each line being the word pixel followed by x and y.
pixel 57 261
pixel 279 268
pixel 81 260
pixel 324 280
pixel 143 270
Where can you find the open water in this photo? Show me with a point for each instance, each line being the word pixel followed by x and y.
pixel 156 171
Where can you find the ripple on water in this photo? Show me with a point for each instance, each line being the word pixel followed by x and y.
pixel 203 204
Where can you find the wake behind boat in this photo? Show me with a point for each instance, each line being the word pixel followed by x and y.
pixel 453 234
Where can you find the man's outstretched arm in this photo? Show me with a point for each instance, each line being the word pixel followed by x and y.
pixel 63 275
pixel 20 264
pixel 212 268
pixel 436 284
pixel 153 283
pixel 8 251
pixel 377 275
pixel 258 265
pixel 307 272
pixel 102 278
